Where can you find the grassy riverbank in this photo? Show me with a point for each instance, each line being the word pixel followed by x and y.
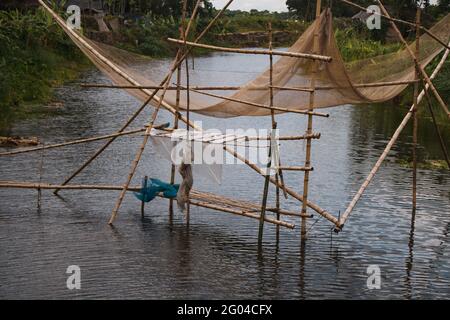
pixel 36 55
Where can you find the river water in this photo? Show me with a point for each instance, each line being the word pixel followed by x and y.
pixel 217 255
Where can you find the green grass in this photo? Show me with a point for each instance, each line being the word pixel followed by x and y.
pixel 354 47
pixel 35 56
pixel 425 164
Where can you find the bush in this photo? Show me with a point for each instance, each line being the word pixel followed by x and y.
pixel 35 53
pixel 354 47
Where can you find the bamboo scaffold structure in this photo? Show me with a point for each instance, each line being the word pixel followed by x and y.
pixel 160 101
pixel 156 95
pixel 415 58
pixel 388 148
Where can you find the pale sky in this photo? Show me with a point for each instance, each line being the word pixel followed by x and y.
pixel 247 5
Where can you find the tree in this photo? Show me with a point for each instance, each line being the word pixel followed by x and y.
pixel 404 9
pixel 444 4
pixel 157 8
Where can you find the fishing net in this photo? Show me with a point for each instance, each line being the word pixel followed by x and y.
pixel 341 79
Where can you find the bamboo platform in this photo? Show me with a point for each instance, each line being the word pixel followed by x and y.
pixel 198 198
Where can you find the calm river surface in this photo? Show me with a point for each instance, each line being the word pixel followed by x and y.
pixel 217 256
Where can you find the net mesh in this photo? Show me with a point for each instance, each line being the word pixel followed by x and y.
pixel 123 68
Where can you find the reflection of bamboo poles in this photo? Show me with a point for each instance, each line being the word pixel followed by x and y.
pixel 262 215
pixel 420 69
pixel 415 120
pixel 264 52
pixel 310 121
pixel 411 24
pixel 383 156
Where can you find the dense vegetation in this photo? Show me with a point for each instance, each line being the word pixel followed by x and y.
pixel 35 55
pixel 403 9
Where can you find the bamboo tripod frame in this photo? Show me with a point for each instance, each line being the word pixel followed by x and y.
pixel 164 86
pixel 236 206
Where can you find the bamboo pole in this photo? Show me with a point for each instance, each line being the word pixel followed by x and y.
pixel 290 191
pixel 361 85
pixel 250 138
pixel 242 213
pixel 289 138
pixel 256 52
pixel 263 106
pixel 246 206
pixel 275 210
pixel 279 173
pixel 146 136
pixel 310 121
pixel 388 148
pixel 143 202
pixel 234 88
pixel 416 62
pixel 295 168
pixel 411 24
pixel 415 120
pixel 177 105
pixel 265 194
pixel 41 168
pixel 438 132
pixel 152 95
pixel 134 165
pixel 188 103
pixel 69 143
pixel 315 207
pixel 175 126
pixel 46 186
pixel 172 88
